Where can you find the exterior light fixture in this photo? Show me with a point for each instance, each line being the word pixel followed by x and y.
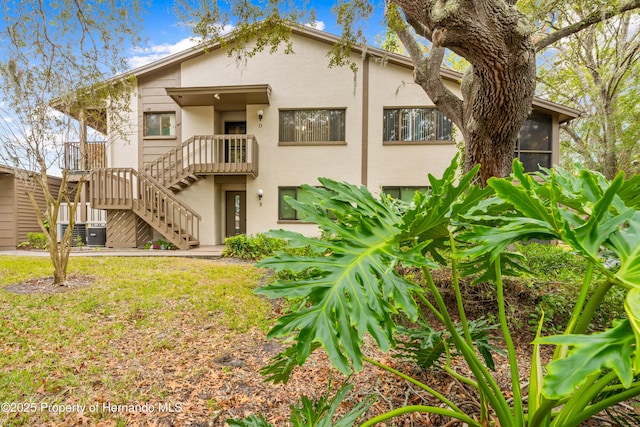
pixel 260 114
pixel 260 193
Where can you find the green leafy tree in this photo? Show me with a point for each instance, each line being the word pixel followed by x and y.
pixel 499 38
pixel 351 287
pixel 597 71
pixel 59 54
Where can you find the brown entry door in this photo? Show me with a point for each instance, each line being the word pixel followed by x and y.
pixel 236 212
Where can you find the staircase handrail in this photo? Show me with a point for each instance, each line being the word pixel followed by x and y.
pixel 145 176
pixel 174 158
pixel 167 193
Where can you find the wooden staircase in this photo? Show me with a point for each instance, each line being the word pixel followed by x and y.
pixel 128 189
pixel 200 155
pixel 150 193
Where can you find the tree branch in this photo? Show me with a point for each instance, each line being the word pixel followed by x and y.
pixel 590 20
pixel 427 75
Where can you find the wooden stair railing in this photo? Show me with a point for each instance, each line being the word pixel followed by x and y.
pixel 126 188
pixel 205 154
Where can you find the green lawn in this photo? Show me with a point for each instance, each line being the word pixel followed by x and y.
pixel 133 336
pixel 185 338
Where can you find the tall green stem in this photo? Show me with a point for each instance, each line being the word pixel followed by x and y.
pixel 456 286
pixel 431 308
pixel 541 417
pixel 486 383
pixel 582 298
pixel 484 410
pixel 590 411
pixel 591 307
pixel 513 358
pixel 419 408
pixel 561 350
pixel 581 398
pixel 415 382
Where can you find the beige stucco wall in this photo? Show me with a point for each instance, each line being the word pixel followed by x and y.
pixel 396 165
pixel 200 197
pixel 301 80
pixel 197 121
pixel 122 148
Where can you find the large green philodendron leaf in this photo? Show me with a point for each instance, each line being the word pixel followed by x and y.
pixel 526 215
pixel 450 197
pixel 632 307
pixel 605 216
pixel 612 349
pixel 625 243
pixel 353 287
pixel 431 215
pixel 630 192
pixel 583 211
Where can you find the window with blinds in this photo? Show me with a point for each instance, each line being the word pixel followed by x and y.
pixel 415 124
pixel 312 125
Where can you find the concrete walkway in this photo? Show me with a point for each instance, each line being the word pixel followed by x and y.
pixel 199 252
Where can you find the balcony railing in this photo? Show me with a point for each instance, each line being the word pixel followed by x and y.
pixel 207 154
pixel 94 156
pixel 127 188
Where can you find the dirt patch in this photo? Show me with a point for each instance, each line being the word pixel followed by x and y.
pixel 44 285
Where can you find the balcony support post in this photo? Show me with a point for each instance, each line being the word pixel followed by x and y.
pixel 83 141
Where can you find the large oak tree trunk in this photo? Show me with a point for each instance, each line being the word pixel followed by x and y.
pixel 495 109
pixel 497 90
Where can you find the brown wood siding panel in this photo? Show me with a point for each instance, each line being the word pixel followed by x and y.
pixel 154 98
pixel 144 233
pixel 121 229
pixel 158 149
pixel 159 90
pixel 7 212
pixel 6 236
pixel 27 221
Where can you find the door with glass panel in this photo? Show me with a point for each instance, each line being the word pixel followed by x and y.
pixel 235 149
pixel 236 213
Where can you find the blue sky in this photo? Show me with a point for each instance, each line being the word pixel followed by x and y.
pixel 165 34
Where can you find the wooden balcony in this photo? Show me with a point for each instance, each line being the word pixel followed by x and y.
pixel 77 161
pixel 206 155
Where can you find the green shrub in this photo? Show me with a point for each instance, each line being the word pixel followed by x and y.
pixel 252 247
pixel 35 241
pixel 557 275
pixel 554 263
pixel 260 246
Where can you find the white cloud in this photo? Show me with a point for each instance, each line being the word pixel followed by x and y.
pixel 318 25
pixel 143 55
pixel 148 54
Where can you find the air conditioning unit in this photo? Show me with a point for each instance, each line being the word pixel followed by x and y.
pixel 96 236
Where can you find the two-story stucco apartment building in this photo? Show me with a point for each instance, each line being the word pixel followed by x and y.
pixel 215 146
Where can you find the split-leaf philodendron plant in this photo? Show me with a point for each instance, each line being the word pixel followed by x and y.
pixel 351 287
